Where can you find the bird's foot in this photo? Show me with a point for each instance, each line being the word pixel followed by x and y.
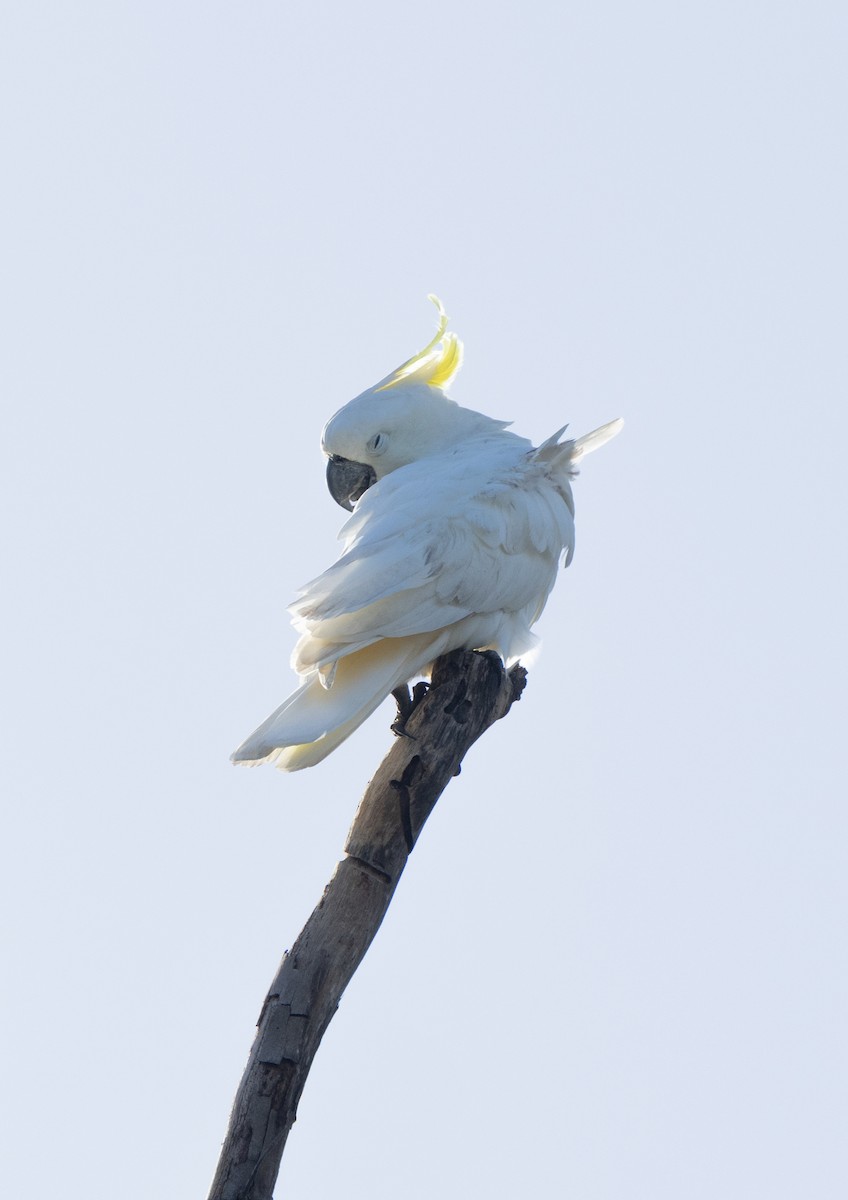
pixel 407 704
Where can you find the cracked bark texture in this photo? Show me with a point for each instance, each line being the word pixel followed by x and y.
pixel 469 692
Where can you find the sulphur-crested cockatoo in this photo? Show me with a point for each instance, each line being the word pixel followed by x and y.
pixel 457 532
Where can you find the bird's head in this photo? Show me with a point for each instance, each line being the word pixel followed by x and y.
pixel 403 418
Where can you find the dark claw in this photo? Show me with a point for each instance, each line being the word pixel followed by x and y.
pixel 407 705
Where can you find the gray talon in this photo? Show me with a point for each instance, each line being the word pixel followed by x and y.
pixel 407 703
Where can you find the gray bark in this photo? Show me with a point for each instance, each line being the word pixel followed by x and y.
pixel 469 692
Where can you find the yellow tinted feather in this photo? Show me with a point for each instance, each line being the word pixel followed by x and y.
pixel 437 363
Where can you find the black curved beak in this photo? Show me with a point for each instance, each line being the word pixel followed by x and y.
pixel 348 480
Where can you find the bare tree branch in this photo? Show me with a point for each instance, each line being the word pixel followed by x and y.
pixel 469 692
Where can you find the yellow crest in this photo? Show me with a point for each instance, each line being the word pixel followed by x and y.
pixel 437 363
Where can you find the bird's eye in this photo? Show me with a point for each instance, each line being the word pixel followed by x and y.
pixel 376 441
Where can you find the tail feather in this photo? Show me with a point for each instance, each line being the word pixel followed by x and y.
pixel 597 438
pixel 569 453
pixel 315 719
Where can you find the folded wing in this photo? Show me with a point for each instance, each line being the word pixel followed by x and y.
pixel 476 532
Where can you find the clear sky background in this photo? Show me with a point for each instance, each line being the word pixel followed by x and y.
pixel 616 964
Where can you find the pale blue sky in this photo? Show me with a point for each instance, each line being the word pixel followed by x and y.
pixel 616 964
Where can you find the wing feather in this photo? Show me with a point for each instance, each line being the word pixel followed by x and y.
pixel 476 531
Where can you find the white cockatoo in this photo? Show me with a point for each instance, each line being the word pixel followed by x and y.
pixel 457 532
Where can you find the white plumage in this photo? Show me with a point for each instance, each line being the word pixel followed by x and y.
pixel 455 544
